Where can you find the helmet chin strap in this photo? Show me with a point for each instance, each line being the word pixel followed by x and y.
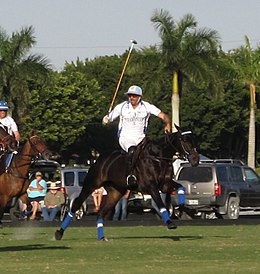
pixel 138 101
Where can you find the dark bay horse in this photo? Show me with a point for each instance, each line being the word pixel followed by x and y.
pixel 14 182
pixel 153 169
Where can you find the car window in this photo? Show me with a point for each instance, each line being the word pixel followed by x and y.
pixel 81 178
pixel 251 175
pixel 69 178
pixel 196 174
pixel 222 174
pixel 236 175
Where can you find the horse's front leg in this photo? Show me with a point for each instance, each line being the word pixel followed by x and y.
pixel 3 203
pixel 1 215
pixel 112 198
pixel 163 211
pixel 85 192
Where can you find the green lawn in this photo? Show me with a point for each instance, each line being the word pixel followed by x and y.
pixel 140 249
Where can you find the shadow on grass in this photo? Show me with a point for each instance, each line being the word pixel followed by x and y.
pixel 173 238
pixel 32 247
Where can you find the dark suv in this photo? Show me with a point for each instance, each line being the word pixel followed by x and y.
pixel 224 187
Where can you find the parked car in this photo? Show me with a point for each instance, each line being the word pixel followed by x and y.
pixel 72 181
pixel 222 187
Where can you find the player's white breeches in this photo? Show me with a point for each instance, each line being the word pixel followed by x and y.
pixel 125 142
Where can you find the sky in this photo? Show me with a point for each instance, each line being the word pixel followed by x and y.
pixel 69 29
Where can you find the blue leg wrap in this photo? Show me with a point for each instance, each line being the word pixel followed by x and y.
pixel 67 221
pixel 165 215
pixel 181 195
pixel 100 228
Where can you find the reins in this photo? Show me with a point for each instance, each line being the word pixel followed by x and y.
pixel 180 154
pixel 31 158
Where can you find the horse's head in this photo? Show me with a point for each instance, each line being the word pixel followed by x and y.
pixel 187 146
pixel 39 147
pixel 7 141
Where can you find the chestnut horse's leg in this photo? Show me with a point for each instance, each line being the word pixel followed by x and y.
pixel 113 197
pixel 154 192
pixel 1 216
pixel 3 203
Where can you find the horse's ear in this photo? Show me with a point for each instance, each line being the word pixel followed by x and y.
pixel 178 128
pixel 31 133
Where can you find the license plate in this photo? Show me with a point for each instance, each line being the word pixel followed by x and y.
pixel 192 202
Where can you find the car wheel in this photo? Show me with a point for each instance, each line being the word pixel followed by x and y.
pixel 182 214
pixel 15 212
pixel 208 215
pixel 79 213
pixel 232 209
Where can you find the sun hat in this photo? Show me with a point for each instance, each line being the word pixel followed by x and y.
pixel 135 90
pixel 53 186
pixel 38 173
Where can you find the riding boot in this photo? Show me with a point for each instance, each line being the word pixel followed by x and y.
pixel 131 179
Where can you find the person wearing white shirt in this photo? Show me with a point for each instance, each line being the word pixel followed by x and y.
pixel 133 122
pixel 9 125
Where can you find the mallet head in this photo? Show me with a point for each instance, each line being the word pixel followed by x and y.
pixel 133 41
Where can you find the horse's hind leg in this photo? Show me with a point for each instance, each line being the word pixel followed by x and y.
pixel 113 197
pixel 163 211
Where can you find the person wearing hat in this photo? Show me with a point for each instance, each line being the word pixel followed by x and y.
pixel 52 202
pixel 36 193
pixel 9 125
pixel 7 122
pixel 133 122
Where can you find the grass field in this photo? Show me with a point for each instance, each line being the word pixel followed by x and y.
pixel 140 249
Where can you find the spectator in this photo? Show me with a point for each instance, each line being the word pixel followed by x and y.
pixel 121 207
pixel 36 193
pixel 52 202
pixel 97 197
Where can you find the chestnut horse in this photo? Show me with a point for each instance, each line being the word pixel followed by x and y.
pixel 15 181
pixel 153 169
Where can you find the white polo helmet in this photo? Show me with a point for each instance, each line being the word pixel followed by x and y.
pixel 135 90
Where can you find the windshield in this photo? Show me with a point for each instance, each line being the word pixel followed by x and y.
pixel 195 174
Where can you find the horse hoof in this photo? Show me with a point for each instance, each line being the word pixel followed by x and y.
pixel 171 225
pixel 58 235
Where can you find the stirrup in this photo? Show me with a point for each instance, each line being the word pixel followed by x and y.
pixel 131 180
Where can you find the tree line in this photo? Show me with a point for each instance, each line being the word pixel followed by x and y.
pixel 204 89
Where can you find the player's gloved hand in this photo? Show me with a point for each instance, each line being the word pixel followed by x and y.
pixel 105 120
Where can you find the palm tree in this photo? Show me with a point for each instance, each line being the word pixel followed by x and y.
pixel 247 63
pixel 188 52
pixel 18 68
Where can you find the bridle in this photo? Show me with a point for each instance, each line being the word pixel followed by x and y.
pixel 39 150
pixel 31 158
pixel 186 152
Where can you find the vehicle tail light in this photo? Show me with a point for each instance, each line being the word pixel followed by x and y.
pixel 63 190
pixel 174 192
pixel 217 189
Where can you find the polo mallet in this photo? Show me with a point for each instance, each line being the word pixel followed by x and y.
pixel 133 42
